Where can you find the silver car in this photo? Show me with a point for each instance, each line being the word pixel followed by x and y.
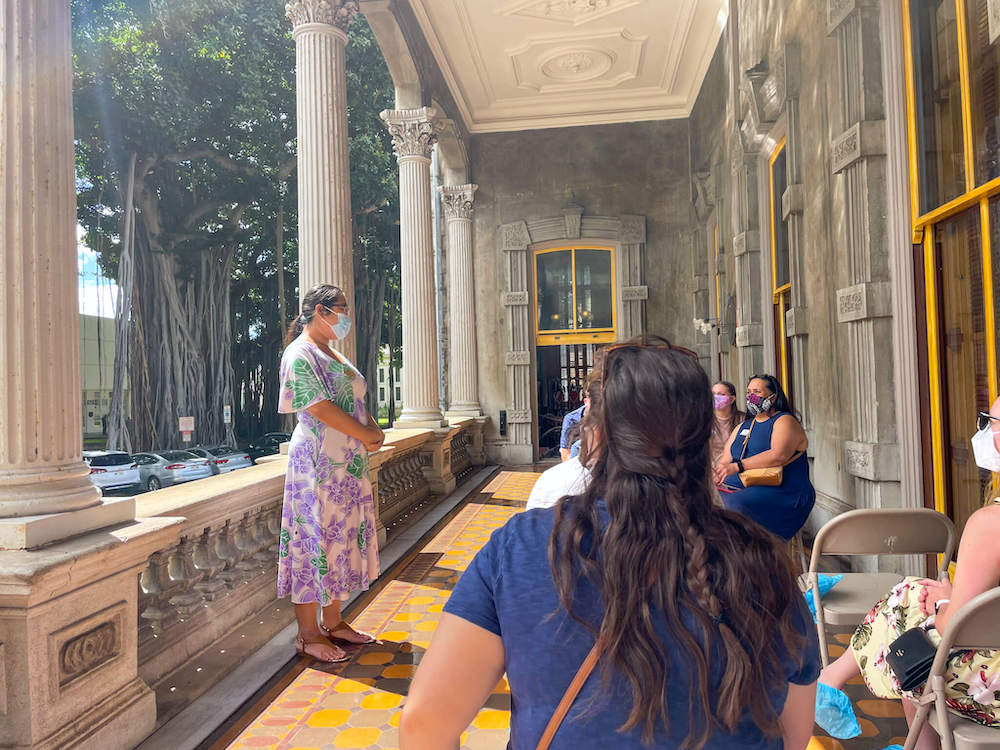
pixel 164 468
pixel 222 458
pixel 112 470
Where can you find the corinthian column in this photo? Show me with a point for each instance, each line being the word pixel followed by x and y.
pixel 326 255
pixel 414 133
pixel 463 381
pixel 41 432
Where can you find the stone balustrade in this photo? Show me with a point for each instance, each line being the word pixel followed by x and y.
pixel 221 568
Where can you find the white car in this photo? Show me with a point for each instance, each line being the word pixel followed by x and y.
pixel 112 470
pixel 222 458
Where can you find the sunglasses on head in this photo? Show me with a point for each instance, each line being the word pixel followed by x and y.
pixel 984 418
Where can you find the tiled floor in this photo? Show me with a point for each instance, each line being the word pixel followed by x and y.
pixel 357 704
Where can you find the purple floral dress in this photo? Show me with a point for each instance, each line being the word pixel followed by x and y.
pixel 328 548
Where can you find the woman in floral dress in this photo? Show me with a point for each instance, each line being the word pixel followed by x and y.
pixel 328 548
pixel 973 684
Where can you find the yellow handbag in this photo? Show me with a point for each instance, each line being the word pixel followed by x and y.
pixel 770 476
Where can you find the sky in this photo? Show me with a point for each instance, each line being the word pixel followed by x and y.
pixel 97 293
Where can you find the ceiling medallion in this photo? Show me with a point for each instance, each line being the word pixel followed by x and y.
pixel 576 65
pixel 575 12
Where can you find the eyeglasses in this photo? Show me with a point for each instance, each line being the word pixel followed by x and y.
pixel 984 418
pixel 342 307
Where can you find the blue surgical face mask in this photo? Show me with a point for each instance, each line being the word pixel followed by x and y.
pixel 342 327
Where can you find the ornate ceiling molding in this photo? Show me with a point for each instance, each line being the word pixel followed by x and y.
pixel 574 12
pixel 337 13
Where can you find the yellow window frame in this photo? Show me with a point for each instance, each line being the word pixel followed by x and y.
pixel 781 295
pixel 549 337
pixel 924 230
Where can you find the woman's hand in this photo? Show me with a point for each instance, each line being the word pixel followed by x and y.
pixel 931 593
pixel 724 470
pixel 375 439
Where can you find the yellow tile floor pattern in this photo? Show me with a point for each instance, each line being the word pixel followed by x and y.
pixel 512 485
pixel 358 704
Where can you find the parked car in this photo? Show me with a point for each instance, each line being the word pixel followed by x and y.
pixel 164 468
pixel 112 470
pixel 223 458
pixel 267 444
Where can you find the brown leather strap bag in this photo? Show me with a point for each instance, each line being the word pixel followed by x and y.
pixel 569 696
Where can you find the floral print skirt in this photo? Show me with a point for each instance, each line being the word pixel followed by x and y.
pixel 973 677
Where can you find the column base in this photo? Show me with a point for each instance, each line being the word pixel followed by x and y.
pixel 31 532
pixel 428 420
pixel 453 415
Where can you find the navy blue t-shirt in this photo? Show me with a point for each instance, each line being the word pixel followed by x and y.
pixel 508 590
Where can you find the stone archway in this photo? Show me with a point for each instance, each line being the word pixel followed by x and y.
pixel 627 233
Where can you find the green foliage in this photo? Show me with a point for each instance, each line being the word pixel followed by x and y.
pixel 202 92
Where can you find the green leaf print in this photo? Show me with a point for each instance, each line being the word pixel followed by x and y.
pixel 862 662
pixel 362 544
pixel 336 367
pixel 319 562
pixel 285 539
pixel 305 386
pixel 861 636
pixel 345 396
pixel 960 687
pixel 357 467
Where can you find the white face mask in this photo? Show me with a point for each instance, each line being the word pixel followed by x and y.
pixel 985 450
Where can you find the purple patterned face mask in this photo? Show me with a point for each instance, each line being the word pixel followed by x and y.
pixel 720 401
pixel 757 404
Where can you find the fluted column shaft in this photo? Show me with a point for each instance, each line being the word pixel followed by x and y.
pixel 414 132
pixel 463 382
pixel 41 434
pixel 326 252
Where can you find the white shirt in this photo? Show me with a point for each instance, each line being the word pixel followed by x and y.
pixel 567 478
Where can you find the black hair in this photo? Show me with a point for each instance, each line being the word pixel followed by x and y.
pixel 780 402
pixel 326 295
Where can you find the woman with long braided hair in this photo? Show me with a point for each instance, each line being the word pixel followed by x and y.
pixel 701 636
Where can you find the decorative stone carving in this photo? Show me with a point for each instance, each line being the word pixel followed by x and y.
pixel 337 13
pixel 878 462
pixel 864 301
pixel 704 190
pixel 414 131
pixel 749 335
pixel 574 217
pixel 633 231
pixel 514 236
pixel 635 293
pixel 862 139
pixel 578 65
pixel 87 651
pixel 517 358
pixel 838 11
pixel 796 322
pixel 514 299
pixel 792 200
pixel 746 242
pixel 519 416
pixel 457 201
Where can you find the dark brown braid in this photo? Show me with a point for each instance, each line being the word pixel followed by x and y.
pixel 664 550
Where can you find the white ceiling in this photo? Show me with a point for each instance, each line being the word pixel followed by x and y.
pixel 524 64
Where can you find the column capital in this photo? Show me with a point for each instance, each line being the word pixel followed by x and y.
pixel 414 131
pixel 457 201
pixel 338 13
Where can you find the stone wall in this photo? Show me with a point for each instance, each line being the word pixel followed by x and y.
pixel 811 72
pixel 611 171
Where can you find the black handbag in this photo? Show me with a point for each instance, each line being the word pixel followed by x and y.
pixel 910 658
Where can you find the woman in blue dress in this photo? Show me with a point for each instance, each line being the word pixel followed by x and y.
pixel 771 437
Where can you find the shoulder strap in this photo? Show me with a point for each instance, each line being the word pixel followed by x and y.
pixel 569 696
pixel 746 440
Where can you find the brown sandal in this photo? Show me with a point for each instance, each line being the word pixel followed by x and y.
pixel 302 647
pixel 368 637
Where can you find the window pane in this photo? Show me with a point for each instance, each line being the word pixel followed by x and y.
pixel 593 289
pixel 937 92
pixel 555 291
pixel 780 183
pixel 963 355
pixel 984 74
